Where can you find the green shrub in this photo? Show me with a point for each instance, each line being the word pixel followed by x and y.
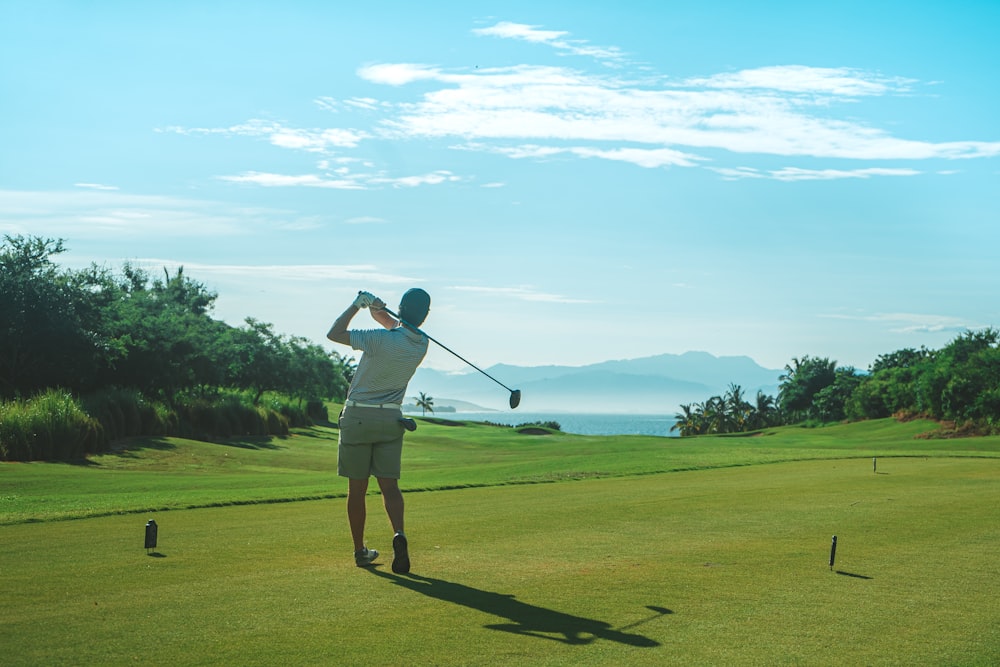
pixel 120 412
pixel 294 415
pixel 277 423
pixel 48 427
pixel 56 426
pixel 551 425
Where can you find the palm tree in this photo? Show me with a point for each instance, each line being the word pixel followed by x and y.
pixel 765 413
pixel 685 421
pixel 425 403
pixel 715 415
pixel 737 410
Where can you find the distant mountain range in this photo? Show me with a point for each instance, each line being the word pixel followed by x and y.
pixel 657 384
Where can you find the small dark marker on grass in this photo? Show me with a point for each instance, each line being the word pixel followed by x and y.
pixel 151 531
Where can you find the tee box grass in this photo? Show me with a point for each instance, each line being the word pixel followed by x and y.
pixel 722 561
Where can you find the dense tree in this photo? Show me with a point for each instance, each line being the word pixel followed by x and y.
pixel 259 359
pixel 960 383
pixel 43 342
pixel 830 403
pixel 800 383
pixel 89 329
pixel 905 358
pixel 313 372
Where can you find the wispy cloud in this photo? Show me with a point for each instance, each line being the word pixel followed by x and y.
pixel 553 38
pixel 399 74
pixel 433 178
pixel 798 174
pixel 521 293
pixel 558 105
pixel 349 273
pixel 104 214
pixel 643 157
pixel 95 186
pixel 286 180
pixel 912 322
pixel 540 111
pixel 311 140
pixel 837 81
pixel 347 182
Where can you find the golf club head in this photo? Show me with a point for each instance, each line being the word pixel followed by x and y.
pixel 515 398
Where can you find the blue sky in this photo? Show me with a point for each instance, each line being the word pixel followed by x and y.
pixel 571 181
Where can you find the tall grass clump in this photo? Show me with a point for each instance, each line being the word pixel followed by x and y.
pixel 123 413
pixel 291 410
pixel 56 426
pixel 234 414
pixel 49 427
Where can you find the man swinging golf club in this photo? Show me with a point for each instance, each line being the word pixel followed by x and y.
pixel 372 425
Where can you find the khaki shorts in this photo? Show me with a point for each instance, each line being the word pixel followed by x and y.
pixel 370 443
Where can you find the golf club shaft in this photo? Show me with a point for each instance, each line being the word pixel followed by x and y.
pixel 448 349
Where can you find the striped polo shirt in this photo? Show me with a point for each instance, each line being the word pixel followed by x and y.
pixel 389 359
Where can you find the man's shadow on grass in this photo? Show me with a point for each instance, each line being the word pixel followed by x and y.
pixel 526 619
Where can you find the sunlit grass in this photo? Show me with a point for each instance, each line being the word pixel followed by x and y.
pixel 715 566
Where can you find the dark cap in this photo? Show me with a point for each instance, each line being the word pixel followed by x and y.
pixel 414 306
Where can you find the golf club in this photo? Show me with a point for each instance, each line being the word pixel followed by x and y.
pixel 515 394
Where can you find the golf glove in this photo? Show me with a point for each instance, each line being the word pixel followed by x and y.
pixel 364 299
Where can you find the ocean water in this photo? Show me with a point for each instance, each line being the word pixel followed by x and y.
pixel 579 423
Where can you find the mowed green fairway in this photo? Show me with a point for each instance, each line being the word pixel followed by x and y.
pixel 724 561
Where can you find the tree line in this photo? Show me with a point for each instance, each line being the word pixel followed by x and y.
pixel 958 384
pixel 87 331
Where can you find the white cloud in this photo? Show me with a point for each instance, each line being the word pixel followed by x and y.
pixel 796 174
pixel 324 273
pixel 799 174
pixel 839 81
pixel 509 30
pixel 733 173
pixel 913 322
pixel 649 158
pixel 434 178
pixel 547 104
pixel 643 157
pixel 347 181
pixel 553 38
pixel 314 140
pixel 541 111
pixel 111 214
pixel 398 74
pixel 95 186
pixel 285 180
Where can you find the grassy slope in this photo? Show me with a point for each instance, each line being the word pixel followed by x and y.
pixel 725 566
pixel 157 474
pixel 723 561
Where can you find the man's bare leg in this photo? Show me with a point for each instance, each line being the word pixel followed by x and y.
pixel 392 499
pixel 357 511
